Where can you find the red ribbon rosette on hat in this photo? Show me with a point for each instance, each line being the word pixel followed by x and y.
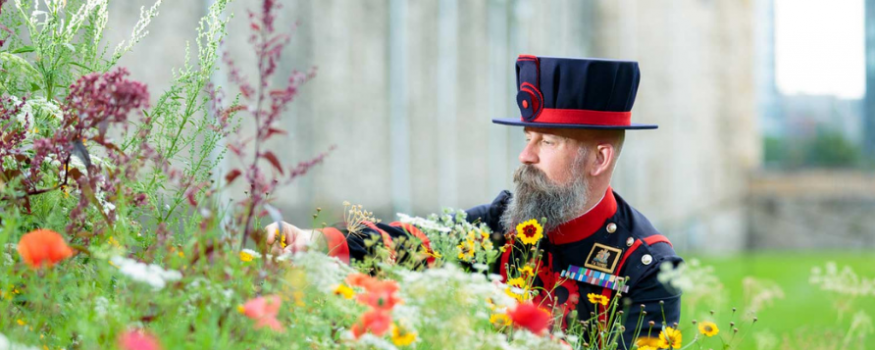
pixel 530 100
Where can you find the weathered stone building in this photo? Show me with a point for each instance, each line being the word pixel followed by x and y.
pixel 407 89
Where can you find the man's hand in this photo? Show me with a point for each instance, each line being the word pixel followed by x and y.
pixel 288 240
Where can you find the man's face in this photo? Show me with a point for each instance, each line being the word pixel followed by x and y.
pixel 550 182
pixel 554 152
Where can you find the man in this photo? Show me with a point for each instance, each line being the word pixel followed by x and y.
pixel 574 114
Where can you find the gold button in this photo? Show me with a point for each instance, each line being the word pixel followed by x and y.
pixel 629 241
pixel 646 259
pixel 612 227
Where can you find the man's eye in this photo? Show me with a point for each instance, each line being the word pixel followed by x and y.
pixel 547 142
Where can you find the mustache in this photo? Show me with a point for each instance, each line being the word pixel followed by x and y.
pixel 530 177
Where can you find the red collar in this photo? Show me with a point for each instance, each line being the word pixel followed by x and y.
pixel 587 224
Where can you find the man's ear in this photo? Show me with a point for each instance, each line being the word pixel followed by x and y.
pixel 604 156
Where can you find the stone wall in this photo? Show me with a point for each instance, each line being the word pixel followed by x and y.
pixel 406 90
pixel 812 210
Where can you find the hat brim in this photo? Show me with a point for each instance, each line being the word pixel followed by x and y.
pixel 517 122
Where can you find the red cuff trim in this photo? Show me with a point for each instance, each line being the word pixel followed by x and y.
pixel 387 240
pixel 337 246
pixel 657 239
pixel 413 230
pixel 583 116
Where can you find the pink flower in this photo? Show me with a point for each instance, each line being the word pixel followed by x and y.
pixel 264 310
pixel 138 339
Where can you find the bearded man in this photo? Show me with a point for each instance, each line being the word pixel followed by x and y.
pixel 574 114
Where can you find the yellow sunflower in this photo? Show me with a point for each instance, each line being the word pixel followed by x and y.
pixel 670 338
pixel 708 328
pixel 598 299
pixel 466 250
pixel 401 336
pixel 518 283
pixel 530 232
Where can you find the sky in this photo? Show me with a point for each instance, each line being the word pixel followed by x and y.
pixel 820 47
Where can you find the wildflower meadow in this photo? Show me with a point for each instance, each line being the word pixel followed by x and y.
pixel 114 233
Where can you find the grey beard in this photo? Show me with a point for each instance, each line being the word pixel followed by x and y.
pixel 537 197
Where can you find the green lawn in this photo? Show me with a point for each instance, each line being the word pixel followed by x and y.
pixel 805 310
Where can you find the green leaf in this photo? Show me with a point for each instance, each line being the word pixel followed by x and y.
pixel 81 66
pixel 24 49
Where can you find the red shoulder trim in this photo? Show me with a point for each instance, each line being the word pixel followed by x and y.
pixel 337 245
pixel 657 239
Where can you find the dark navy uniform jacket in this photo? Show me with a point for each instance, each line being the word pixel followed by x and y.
pixel 630 247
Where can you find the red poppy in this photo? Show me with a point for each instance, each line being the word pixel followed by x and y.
pixel 360 280
pixel 138 340
pixel 530 317
pixel 43 247
pixel 264 310
pixel 380 295
pixel 375 321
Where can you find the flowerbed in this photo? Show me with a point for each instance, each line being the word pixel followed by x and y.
pixel 112 234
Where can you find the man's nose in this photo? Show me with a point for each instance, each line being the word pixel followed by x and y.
pixel 528 155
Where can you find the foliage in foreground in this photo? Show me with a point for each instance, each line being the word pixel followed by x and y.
pixel 149 259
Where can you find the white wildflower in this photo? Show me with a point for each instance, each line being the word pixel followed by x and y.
pixel 5 344
pixel 103 307
pixel 371 341
pixel 323 271
pixel 152 275
pixel 424 224
pixel 844 282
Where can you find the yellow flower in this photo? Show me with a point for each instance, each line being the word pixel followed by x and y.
pixel 647 343
pixel 598 299
pixel 527 272
pixel 500 320
pixel 282 238
pixel 299 298
pixel 466 250
pixel 432 253
pixel 708 328
pixel 487 245
pixel 401 337
pixel 344 291
pixel 484 235
pixel 472 235
pixel 518 283
pixel 245 257
pixel 241 309
pixel 20 322
pixel 530 232
pixel 670 338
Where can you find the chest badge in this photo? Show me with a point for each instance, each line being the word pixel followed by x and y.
pixel 603 258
